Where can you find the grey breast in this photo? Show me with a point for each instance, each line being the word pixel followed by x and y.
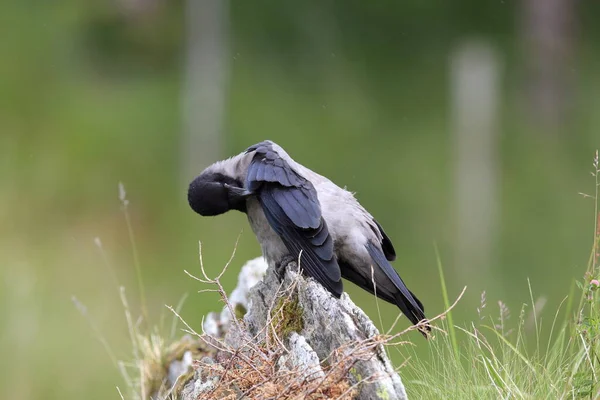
pixel 271 244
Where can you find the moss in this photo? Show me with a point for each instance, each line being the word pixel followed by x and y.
pixel 287 316
pixel 357 377
pixel 177 349
pixel 181 382
pixel 382 393
pixel 239 311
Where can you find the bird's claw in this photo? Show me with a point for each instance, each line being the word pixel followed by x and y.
pixel 280 266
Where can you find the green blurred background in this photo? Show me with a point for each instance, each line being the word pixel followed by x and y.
pixel 95 93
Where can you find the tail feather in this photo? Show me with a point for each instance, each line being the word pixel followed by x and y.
pixel 404 298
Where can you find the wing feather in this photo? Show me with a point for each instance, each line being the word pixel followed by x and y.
pixel 281 176
pixel 292 208
pixel 405 299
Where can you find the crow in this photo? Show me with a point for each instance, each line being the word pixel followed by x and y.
pixel 297 213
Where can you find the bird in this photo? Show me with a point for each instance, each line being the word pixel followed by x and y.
pixel 297 214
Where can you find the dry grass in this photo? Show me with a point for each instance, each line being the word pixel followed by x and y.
pixel 260 376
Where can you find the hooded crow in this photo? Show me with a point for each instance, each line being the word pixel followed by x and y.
pixel 297 213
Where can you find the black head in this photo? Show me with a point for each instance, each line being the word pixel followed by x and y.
pixel 213 194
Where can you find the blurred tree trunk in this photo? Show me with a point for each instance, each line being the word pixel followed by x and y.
pixel 205 83
pixel 475 79
pixel 549 38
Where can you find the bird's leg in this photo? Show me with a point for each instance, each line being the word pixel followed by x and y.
pixel 280 266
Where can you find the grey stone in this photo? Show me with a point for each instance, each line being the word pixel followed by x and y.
pixel 329 324
pixel 179 367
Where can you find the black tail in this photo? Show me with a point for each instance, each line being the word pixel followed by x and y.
pixel 403 298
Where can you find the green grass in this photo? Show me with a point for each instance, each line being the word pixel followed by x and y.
pixel 489 358
pixel 491 364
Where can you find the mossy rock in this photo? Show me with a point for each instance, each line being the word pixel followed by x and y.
pixel 287 316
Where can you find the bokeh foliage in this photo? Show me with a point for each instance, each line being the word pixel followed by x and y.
pixel 91 95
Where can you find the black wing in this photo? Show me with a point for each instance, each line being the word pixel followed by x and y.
pixel 291 206
pixel 386 244
pixel 404 298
